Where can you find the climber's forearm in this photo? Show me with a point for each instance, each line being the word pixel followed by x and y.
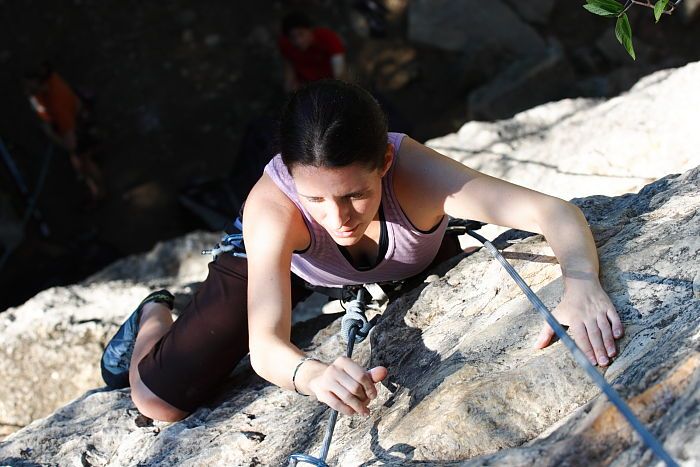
pixel 276 361
pixel 567 232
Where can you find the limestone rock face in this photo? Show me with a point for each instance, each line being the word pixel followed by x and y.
pixel 52 344
pixel 582 147
pixel 465 386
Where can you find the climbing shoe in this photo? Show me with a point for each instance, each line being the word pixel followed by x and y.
pixel 117 354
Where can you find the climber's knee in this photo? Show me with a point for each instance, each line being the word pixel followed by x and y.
pixel 152 406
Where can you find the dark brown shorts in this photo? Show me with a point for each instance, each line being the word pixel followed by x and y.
pixel 210 337
pixel 187 365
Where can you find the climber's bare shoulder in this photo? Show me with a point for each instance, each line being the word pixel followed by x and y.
pixel 272 222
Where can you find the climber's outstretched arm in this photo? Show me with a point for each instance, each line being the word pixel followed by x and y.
pixel 440 184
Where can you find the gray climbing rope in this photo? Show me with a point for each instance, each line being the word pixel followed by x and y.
pixel 355 328
pixel 578 355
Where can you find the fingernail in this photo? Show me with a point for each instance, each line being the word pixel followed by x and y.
pixel 603 360
pixel 617 333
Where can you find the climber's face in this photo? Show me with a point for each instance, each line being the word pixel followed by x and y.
pixel 343 200
pixel 301 38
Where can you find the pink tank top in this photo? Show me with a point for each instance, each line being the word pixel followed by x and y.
pixel 409 250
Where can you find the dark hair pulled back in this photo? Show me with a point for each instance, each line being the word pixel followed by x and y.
pixel 294 20
pixel 332 123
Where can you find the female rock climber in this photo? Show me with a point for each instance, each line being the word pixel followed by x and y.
pixel 344 202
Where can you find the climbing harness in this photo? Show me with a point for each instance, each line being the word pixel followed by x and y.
pixel 231 243
pixel 578 355
pixel 354 328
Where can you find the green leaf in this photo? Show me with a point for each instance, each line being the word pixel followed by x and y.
pixel 659 8
pixel 623 32
pixel 596 10
pixel 606 8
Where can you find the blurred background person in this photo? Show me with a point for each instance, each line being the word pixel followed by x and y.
pixel 64 121
pixel 310 53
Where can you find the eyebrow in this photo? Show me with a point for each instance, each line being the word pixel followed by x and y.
pixel 347 195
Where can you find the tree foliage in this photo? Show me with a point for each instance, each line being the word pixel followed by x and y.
pixel 615 9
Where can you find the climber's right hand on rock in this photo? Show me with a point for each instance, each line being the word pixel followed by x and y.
pixel 346 386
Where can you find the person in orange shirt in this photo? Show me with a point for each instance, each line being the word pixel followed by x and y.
pixel 59 109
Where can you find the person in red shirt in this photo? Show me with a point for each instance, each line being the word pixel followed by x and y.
pixel 59 109
pixel 310 53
